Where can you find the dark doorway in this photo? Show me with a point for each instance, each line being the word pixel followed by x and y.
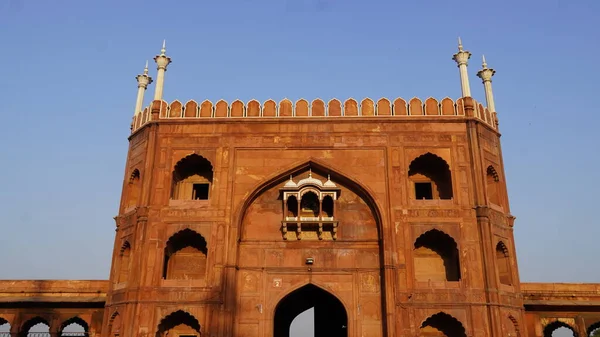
pixel 330 318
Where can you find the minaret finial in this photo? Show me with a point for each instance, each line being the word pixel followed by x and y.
pixel 484 64
pixel 146 68
pixel 164 47
pixel 310 172
pixel 460 46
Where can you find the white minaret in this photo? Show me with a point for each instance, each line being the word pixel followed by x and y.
pixel 162 61
pixel 486 76
pixel 143 81
pixel 461 59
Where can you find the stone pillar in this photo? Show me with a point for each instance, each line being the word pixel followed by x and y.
pixel 162 61
pixel 486 76
pixel 461 58
pixel 143 81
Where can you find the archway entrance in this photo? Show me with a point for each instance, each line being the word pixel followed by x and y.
pixel 330 317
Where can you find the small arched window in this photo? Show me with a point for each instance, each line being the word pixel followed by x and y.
pixel 328 206
pixel 124 263
pixel 493 186
pixel 192 178
pixel 185 256
pixel 431 177
pixel 503 264
pixel 134 188
pixel 436 257
pixel 309 205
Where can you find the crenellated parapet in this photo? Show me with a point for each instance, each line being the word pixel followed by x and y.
pixel 367 108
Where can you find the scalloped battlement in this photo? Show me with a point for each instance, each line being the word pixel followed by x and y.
pixel 315 109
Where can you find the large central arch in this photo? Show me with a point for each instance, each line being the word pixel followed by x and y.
pixel 330 317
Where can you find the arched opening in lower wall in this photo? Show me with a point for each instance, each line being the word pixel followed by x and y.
pixel 35 327
pixel 442 325
pixel 178 323
pixel 559 329
pixel 330 317
pixel 594 330
pixel 4 328
pixel 74 327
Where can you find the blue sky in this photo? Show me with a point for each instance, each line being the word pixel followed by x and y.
pixel 68 92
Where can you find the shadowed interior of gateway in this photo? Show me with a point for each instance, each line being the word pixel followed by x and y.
pixel 330 318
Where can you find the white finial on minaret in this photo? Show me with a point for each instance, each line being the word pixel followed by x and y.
pixel 486 76
pixel 143 81
pixel 162 61
pixel 461 59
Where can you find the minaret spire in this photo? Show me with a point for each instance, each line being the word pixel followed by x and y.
pixel 461 58
pixel 486 76
pixel 143 81
pixel 162 61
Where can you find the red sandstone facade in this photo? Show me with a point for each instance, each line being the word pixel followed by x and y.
pixel 391 218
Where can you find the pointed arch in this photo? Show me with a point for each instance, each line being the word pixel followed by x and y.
pixel 192 178
pixel 238 108
pixel 302 108
pixel 206 109
pixel 448 107
pixel 359 188
pixel 183 322
pixel 592 328
pixel 72 324
pixel 124 263
pixel 432 106
pixel 431 177
pixel 334 108
pixel 445 324
pixel 514 327
pixel 436 257
pixel 384 107
pixel 493 186
pixel 134 188
pixel 253 109
pixel 549 328
pixel 415 107
pixel 503 264
pixel 400 107
pixel 191 109
pixel 175 109
pixel 317 107
pixel 350 107
pixel 331 317
pixel 35 321
pixel 367 107
pixel 270 108
pixel 222 109
pixel 114 324
pixel 5 327
pixel 185 256
pixel 286 108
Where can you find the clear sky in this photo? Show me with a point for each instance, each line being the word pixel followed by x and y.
pixel 67 93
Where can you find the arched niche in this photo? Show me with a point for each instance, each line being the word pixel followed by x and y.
pixel 436 257
pixel 442 325
pixel 178 323
pixel 335 199
pixel 192 178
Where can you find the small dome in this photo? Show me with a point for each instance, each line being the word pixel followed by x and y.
pixel 310 180
pixel 329 183
pixel 290 183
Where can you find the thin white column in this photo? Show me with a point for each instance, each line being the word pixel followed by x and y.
pixel 143 81
pixel 461 58
pixel 486 76
pixel 162 61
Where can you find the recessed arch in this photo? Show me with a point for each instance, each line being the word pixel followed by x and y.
pixel 181 322
pixel 444 324
pixel 330 314
pixel 514 327
pixel 124 262
pixel 431 177
pixel 551 327
pixel 336 174
pixel 192 178
pixel 594 330
pixel 493 186
pixel 134 187
pixel 185 256
pixel 38 323
pixel 74 327
pixel 503 263
pixel 436 257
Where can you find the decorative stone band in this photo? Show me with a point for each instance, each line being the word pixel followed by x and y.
pixel 462 107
